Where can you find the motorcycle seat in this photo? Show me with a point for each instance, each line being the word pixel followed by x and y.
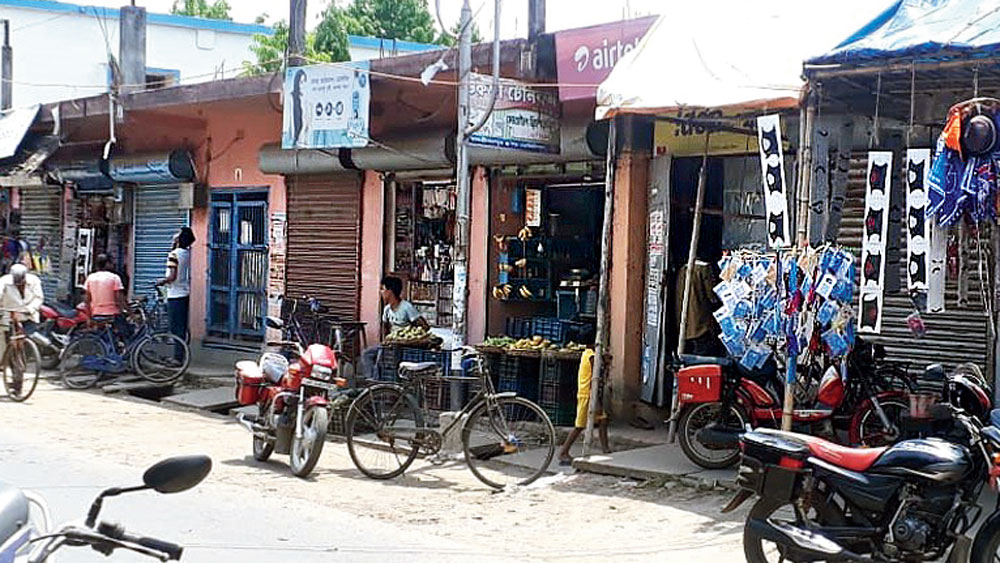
pixel 62 309
pixel 411 369
pixel 13 511
pixel 693 360
pixel 854 459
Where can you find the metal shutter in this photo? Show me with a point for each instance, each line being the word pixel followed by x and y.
pixel 157 220
pixel 41 226
pixel 324 241
pixel 953 337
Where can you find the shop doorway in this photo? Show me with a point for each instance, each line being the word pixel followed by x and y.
pixel 238 265
pixel 157 220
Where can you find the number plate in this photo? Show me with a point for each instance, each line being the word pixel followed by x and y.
pixel 321 384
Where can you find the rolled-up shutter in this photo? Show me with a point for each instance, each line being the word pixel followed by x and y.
pixel 157 220
pixel 41 227
pixel 324 241
pixel 956 336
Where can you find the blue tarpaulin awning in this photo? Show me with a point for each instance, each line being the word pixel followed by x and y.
pixel 923 29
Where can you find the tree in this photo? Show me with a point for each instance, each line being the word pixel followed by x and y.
pixel 270 51
pixel 407 20
pixel 202 9
pixel 450 39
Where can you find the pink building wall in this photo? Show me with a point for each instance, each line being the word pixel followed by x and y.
pixel 372 248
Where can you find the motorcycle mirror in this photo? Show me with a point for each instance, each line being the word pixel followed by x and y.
pixel 177 474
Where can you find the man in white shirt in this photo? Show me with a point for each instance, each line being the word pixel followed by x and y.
pixel 20 294
pixel 178 282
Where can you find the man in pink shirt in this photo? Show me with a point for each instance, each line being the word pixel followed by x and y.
pixel 105 292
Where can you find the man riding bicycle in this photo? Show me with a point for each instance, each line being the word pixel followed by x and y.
pixel 21 294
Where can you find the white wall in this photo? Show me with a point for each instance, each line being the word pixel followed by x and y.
pixel 62 55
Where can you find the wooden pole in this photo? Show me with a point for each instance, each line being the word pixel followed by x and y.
pixel 603 298
pixel 699 204
pixel 297 33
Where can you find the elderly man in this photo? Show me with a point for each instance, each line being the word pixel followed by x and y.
pixel 21 295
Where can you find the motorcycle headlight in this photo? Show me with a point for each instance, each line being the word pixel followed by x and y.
pixel 322 372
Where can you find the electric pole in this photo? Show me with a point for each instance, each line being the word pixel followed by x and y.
pixel 297 33
pixel 463 203
pixel 6 69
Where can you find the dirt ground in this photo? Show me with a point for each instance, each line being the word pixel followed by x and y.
pixel 578 517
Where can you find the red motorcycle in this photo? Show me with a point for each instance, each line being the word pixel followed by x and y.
pixel 718 399
pixel 293 401
pixel 53 333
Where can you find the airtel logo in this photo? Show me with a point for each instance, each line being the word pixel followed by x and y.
pixel 603 57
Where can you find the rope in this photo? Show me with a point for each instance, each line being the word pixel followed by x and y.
pixel 878 102
pixel 913 97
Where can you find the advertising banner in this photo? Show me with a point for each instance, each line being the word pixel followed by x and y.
pixel 772 169
pixel 523 118
pixel 586 56
pixel 326 106
pixel 873 241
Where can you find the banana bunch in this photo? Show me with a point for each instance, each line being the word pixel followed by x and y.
pixel 524 234
pixel 573 347
pixel 502 291
pixel 501 242
pixel 499 341
pixel 536 343
pixel 406 334
pixel 525 292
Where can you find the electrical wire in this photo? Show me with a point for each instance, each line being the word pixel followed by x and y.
pixel 40 22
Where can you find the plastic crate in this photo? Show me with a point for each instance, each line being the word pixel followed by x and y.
pixel 561 415
pixel 437 394
pixel 519 327
pixel 519 374
pixel 418 355
pixel 551 329
pixel 388 366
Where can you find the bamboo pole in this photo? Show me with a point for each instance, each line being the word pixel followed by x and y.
pixel 603 298
pixel 699 205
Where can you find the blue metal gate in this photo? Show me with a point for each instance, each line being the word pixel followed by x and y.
pixel 157 220
pixel 238 264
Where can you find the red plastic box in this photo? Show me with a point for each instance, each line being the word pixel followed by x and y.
pixel 699 384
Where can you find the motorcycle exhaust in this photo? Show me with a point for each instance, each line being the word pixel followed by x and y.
pixel 718 437
pixel 40 339
pixel 809 543
pixel 250 425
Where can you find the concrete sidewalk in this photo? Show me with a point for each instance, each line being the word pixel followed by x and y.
pixel 660 462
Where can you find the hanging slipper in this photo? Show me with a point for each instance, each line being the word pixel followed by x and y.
pixel 641 423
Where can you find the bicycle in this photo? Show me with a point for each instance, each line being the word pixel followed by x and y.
pixel 506 439
pixel 157 357
pixel 21 363
pixel 309 326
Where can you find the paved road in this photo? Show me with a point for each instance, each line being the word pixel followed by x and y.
pixel 69 445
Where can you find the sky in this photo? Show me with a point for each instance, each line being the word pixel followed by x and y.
pixel 837 22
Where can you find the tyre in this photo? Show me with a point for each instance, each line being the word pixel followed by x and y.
pixel 307 449
pixel 986 547
pixel 381 432
pixel 697 417
pixel 262 449
pixel 49 358
pixel 866 425
pixel 508 441
pixel 758 550
pixel 162 358
pixel 21 368
pixel 78 363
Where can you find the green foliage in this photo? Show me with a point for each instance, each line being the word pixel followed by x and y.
pixel 270 51
pixel 450 39
pixel 219 10
pixel 408 20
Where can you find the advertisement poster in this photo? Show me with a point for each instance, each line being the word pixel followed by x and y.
pixel 917 237
pixel 586 56
pixel 873 241
pixel 523 118
pixel 686 139
pixel 533 207
pixel 772 171
pixel 326 106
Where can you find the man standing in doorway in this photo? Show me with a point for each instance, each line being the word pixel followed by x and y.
pixel 178 282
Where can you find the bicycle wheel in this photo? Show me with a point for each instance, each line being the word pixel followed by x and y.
pixel 381 427
pixel 508 441
pixel 79 361
pixel 161 358
pixel 22 364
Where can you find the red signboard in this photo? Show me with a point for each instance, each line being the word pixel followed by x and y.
pixel 585 56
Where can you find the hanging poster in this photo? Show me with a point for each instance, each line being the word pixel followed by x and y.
pixel 773 176
pixel 937 259
pixel 326 106
pixel 656 382
pixel 917 240
pixel 818 203
pixel 523 118
pixel 533 207
pixel 873 241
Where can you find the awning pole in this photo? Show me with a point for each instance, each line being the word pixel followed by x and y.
pixel 601 338
pixel 805 169
pixel 699 204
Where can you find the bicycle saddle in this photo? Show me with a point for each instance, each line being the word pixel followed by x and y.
pixel 418 368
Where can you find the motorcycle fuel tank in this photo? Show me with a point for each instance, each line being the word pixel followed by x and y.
pixel 930 458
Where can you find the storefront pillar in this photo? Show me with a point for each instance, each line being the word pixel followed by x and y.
pixel 478 251
pixel 628 255
pixel 372 241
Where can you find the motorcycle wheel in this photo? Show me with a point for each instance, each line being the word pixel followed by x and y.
pixel 758 550
pixel 307 449
pixel 262 449
pixel 867 428
pixel 698 417
pixel 986 546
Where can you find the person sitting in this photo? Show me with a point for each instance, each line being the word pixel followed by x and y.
pixel 105 293
pixel 397 313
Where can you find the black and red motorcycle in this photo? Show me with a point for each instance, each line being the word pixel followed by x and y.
pixel 913 501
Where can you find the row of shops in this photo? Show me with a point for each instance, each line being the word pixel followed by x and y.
pixel 329 223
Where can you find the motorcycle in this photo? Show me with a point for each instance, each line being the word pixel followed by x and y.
pixel 58 322
pixel 24 539
pixel 912 501
pixel 718 398
pixel 293 400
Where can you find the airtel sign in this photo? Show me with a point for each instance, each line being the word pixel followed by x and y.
pixel 585 56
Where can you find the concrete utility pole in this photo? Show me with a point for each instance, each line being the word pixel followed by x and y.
pixel 6 69
pixel 460 261
pixel 132 48
pixel 536 19
pixel 297 33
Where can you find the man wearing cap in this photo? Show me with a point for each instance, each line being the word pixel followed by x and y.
pixel 20 294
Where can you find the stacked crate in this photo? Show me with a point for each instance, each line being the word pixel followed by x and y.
pixel 557 389
pixel 519 373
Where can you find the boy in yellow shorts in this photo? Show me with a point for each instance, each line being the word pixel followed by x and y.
pixel 584 377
